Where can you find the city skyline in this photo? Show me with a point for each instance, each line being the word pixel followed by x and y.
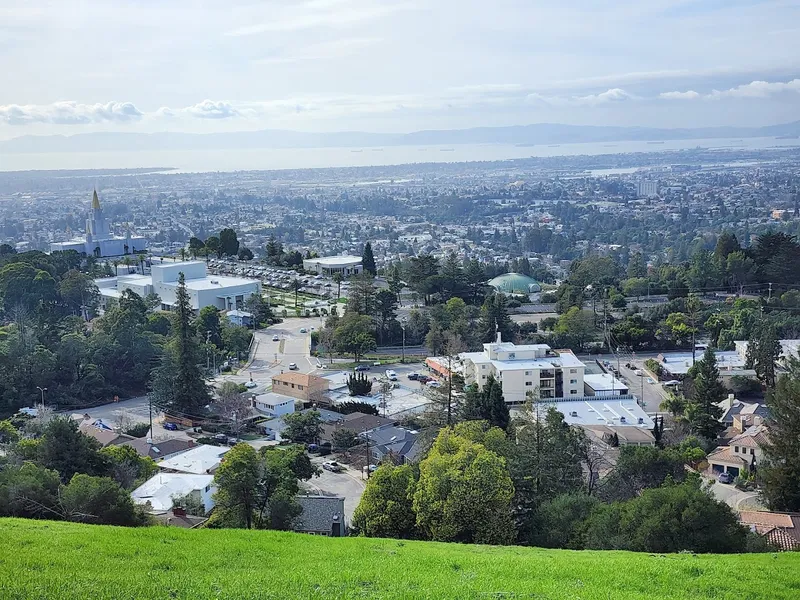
pixel 394 66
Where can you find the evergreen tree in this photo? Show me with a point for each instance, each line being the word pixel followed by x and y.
pixel 178 384
pixel 636 266
pixel 494 319
pixel 229 242
pixel 702 410
pixel 781 471
pixel 487 404
pixel 368 260
pixel 763 350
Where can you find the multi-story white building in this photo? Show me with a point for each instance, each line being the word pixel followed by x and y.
pixel 646 188
pixel 524 369
pixel 225 293
pixel 328 265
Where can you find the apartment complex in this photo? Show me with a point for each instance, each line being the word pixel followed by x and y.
pixel 524 369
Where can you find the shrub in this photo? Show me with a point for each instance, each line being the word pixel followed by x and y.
pixel 654 367
pixel 137 430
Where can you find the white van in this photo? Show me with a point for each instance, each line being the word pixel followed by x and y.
pixel 391 375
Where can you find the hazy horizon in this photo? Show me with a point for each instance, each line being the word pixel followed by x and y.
pixel 395 65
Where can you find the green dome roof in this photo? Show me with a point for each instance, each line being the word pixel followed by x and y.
pixel 515 283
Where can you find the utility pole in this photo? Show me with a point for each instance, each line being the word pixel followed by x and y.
pixel 770 293
pixel 150 407
pixel 403 327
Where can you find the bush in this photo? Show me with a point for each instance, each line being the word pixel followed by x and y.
pixel 513 303
pixel 137 430
pixel 654 367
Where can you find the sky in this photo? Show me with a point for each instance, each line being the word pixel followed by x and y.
pixel 74 66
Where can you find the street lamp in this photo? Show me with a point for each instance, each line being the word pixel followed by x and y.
pixel 42 390
pixel 403 327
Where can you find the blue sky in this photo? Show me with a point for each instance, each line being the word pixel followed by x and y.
pixel 394 65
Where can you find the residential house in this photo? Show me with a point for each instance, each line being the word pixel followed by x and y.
pixel 742 453
pixel 274 405
pixel 201 460
pixel 162 449
pixel 302 386
pixel 177 517
pixel 103 433
pixel 356 422
pixel 158 492
pixel 322 515
pixel 782 530
pixel 274 428
pixel 402 444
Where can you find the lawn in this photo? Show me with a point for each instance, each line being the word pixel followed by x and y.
pixel 40 559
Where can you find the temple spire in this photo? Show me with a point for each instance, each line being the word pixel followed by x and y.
pixel 95 201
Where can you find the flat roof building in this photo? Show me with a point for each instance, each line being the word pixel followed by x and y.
pixel 224 293
pixel 345 264
pixel 161 489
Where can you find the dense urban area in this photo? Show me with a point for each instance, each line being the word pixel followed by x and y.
pixel 587 352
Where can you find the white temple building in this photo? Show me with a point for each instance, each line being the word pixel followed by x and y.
pixel 99 241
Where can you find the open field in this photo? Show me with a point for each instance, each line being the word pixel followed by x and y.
pixel 48 560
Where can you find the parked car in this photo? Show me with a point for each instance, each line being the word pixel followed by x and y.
pixel 638 372
pixel 221 438
pixel 725 478
pixel 433 384
pixel 413 376
pixel 391 375
pixel 333 466
pixel 650 380
pixel 170 427
pixel 275 338
pixel 232 441
pixel 360 368
pixel 293 366
pixel 303 330
pixel 250 384
pixel 423 379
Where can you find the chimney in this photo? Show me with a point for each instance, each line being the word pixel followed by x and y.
pixel 499 337
pixel 179 511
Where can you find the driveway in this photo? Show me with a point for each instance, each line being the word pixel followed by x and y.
pixel 347 485
pixel 738 500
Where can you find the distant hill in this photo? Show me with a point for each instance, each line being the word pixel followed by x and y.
pixel 543 133
pixel 49 560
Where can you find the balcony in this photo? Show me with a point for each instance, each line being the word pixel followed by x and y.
pixel 546 374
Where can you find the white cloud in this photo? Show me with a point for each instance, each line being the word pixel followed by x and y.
pixel 322 51
pixel 70 113
pixel 687 95
pixel 613 95
pixel 754 89
pixel 209 109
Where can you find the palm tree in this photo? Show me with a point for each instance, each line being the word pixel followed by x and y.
pixel 115 262
pixel 296 285
pixel 337 279
pixel 127 261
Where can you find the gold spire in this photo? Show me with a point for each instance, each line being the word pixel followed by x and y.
pixel 95 201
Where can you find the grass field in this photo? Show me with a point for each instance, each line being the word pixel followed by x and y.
pixel 48 560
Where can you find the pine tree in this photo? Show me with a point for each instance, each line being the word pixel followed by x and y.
pixel 781 471
pixel 368 260
pixel 178 384
pixel 763 351
pixel 494 319
pixel 702 410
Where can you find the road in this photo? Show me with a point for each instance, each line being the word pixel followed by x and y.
pixel 651 394
pixel 347 484
pixel 737 499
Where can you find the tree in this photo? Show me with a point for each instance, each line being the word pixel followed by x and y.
pixel 577 325
pixel 561 521
pixel 296 285
pixel 362 295
pixel 305 427
pixel 178 383
pixel 214 246
pixel 781 472
pixel 464 493
pixel 127 467
pixel 99 500
pixel 487 404
pixel 386 509
pixel 208 326
pixel 29 491
pixel 359 384
pixel 351 406
pixel 196 246
pixel 368 260
pixel 245 253
pixel 702 410
pixel 494 319
pixel 726 245
pixel 259 308
pixel 79 293
pixel 741 270
pixel 67 451
pixel 232 405
pixel 237 480
pixel 763 351
pixel 667 519
pixel 228 242
pixel 636 266
pixel 343 439
pixel 338 278
pixel 385 311
pixel 354 335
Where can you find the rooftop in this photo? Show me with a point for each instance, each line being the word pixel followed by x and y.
pixel 162 487
pixel 200 460
pixel 603 411
pixel 603 382
pixel 335 261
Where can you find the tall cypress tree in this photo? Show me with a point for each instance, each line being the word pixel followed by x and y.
pixel 178 384
pixel 702 410
pixel 763 350
pixel 368 260
pixel 781 470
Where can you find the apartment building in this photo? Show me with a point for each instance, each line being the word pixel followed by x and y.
pixel 524 369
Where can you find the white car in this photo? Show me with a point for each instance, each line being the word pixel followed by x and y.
pixel 275 338
pixel 293 366
pixel 250 384
pixel 433 384
pixel 391 375
pixel 333 466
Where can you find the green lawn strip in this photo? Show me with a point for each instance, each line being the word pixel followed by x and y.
pixel 46 560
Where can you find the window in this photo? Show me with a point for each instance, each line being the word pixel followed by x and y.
pixel 573 392
pixel 483 377
pixel 527 373
pixel 528 383
pixel 752 451
pixel 208 489
pixel 736 448
pixel 573 370
pixel 483 367
pixel 300 387
pixel 573 381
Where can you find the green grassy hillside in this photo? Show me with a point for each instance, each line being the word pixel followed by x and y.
pixel 40 559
